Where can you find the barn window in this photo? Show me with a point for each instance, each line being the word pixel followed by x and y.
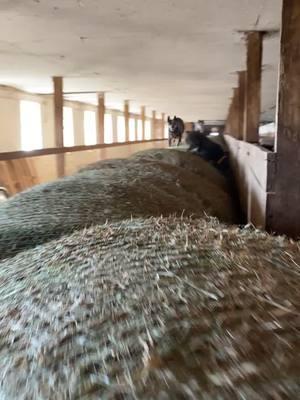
pixel 148 130
pixel 139 129
pixel 214 131
pixel 31 125
pixel 108 128
pixel 121 129
pixel 90 130
pixel 132 129
pixel 68 127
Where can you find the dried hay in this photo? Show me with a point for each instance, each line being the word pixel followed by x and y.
pixel 138 189
pixel 183 159
pixel 109 163
pixel 152 309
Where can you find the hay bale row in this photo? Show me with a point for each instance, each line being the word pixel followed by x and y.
pixel 152 309
pixel 148 184
pixel 177 158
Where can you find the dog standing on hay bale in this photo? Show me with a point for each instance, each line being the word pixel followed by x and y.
pixel 176 129
pixel 210 151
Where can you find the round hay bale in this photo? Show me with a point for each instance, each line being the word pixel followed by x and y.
pixel 110 163
pixel 152 309
pixel 183 159
pixel 107 194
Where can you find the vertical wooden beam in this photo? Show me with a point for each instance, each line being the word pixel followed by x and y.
pixel 284 204
pixel 101 113
pixel 143 118
pixel 235 113
pixel 241 101
pixel 58 123
pixel 126 116
pixel 232 124
pixel 154 133
pixel 228 120
pixel 163 117
pixel 253 86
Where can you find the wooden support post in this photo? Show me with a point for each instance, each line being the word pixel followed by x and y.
pixel 101 113
pixel 58 123
pixel 154 133
pixel 253 86
pixel 241 103
pixel 284 204
pixel 228 120
pixel 163 117
pixel 232 124
pixel 126 116
pixel 235 113
pixel 143 118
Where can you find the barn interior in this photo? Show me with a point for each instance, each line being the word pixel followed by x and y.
pixel 107 75
pixel 125 272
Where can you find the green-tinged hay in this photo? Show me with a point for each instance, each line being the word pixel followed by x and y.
pixel 152 309
pixel 109 163
pixel 134 189
pixel 183 159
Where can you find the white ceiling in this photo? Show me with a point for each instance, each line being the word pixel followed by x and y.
pixel 174 56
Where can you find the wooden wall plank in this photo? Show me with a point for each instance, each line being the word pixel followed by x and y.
pixel 250 164
pixel 6 179
pixel 55 150
pixel 17 175
pixel 15 179
pixel 253 86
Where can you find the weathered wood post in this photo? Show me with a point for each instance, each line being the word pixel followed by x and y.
pixel 101 113
pixel 126 117
pixel 143 118
pixel 253 86
pixel 154 133
pixel 163 117
pixel 241 102
pixel 283 213
pixel 58 123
